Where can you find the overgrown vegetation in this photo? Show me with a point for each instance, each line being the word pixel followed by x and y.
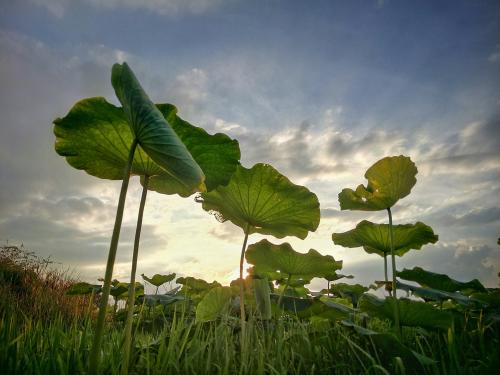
pixel 266 323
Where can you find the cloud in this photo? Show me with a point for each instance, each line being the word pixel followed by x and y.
pixel 163 7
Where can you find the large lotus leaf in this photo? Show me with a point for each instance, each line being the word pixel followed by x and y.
pixel 196 285
pixel 266 256
pixel 265 201
pixel 158 280
pixel 213 304
pixel 217 154
pixel 411 313
pixel 430 294
pixel 119 289
pixel 95 136
pixel 389 180
pixel 440 281
pixel 152 131
pixel 375 238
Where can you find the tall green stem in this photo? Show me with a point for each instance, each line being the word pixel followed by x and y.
pixel 385 274
pixel 393 259
pixel 284 289
pixel 242 287
pixel 131 290
pixel 99 330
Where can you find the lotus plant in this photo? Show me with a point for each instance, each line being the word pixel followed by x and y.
pixel 262 200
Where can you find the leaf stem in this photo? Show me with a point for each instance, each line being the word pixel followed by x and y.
pixel 242 290
pixel 284 289
pixel 385 275
pixel 99 330
pixel 393 259
pixel 131 290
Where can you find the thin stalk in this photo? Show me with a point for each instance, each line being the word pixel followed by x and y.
pixel 242 290
pixel 393 259
pixel 385 274
pixel 131 291
pixel 328 290
pixel 284 289
pixel 99 330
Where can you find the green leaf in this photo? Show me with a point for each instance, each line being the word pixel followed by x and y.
pixel 437 295
pixel 83 288
pixel 389 347
pixel 375 238
pixel 95 136
pixel 154 134
pixel 351 291
pixel 262 297
pixel 161 299
pixel 389 180
pixel 411 313
pixel 440 281
pixel 213 304
pixel 217 155
pixel 119 289
pixel 268 257
pixel 265 201
pixel 195 287
pixel 158 280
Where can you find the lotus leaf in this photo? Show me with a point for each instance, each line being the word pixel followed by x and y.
pixel 389 180
pixel 352 292
pixel 266 256
pixel 95 136
pixel 375 238
pixel 83 288
pixel 152 131
pixel 213 304
pixel 261 200
pixel 158 280
pixel 440 281
pixel 412 313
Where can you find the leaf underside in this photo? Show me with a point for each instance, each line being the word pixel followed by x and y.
pixel 95 136
pixel 265 201
pixel 268 257
pixel 375 238
pixel 389 180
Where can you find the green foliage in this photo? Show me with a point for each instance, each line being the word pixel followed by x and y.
pixel 213 304
pixel 412 313
pixel 158 280
pixel 375 238
pixel 268 257
pixel 440 281
pixel 351 291
pixel 95 136
pixel 261 200
pixel 83 288
pixel 154 134
pixel 389 180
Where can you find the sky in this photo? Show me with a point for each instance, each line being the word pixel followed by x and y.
pixel 321 90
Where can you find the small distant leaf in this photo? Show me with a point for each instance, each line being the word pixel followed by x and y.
pixel 437 295
pixel 158 280
pixel 119 289
pixel 266 201
pixel 440 281
pixel 411 313
pixel 154 134
pixel 375 238
pixel 350 291
pixel 213 304
pixel 389 180
pixel 198 285
pixel 333 276
pixel 161 299
pixel 268 257
pixel 83 288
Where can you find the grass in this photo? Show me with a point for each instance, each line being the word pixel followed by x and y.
pixel 39 337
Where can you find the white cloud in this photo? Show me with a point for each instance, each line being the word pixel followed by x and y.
pixel 163 7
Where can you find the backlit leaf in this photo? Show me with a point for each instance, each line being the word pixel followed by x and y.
pixel 266 201
pixel 213 304
pixel 389 180
pixel 374 238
